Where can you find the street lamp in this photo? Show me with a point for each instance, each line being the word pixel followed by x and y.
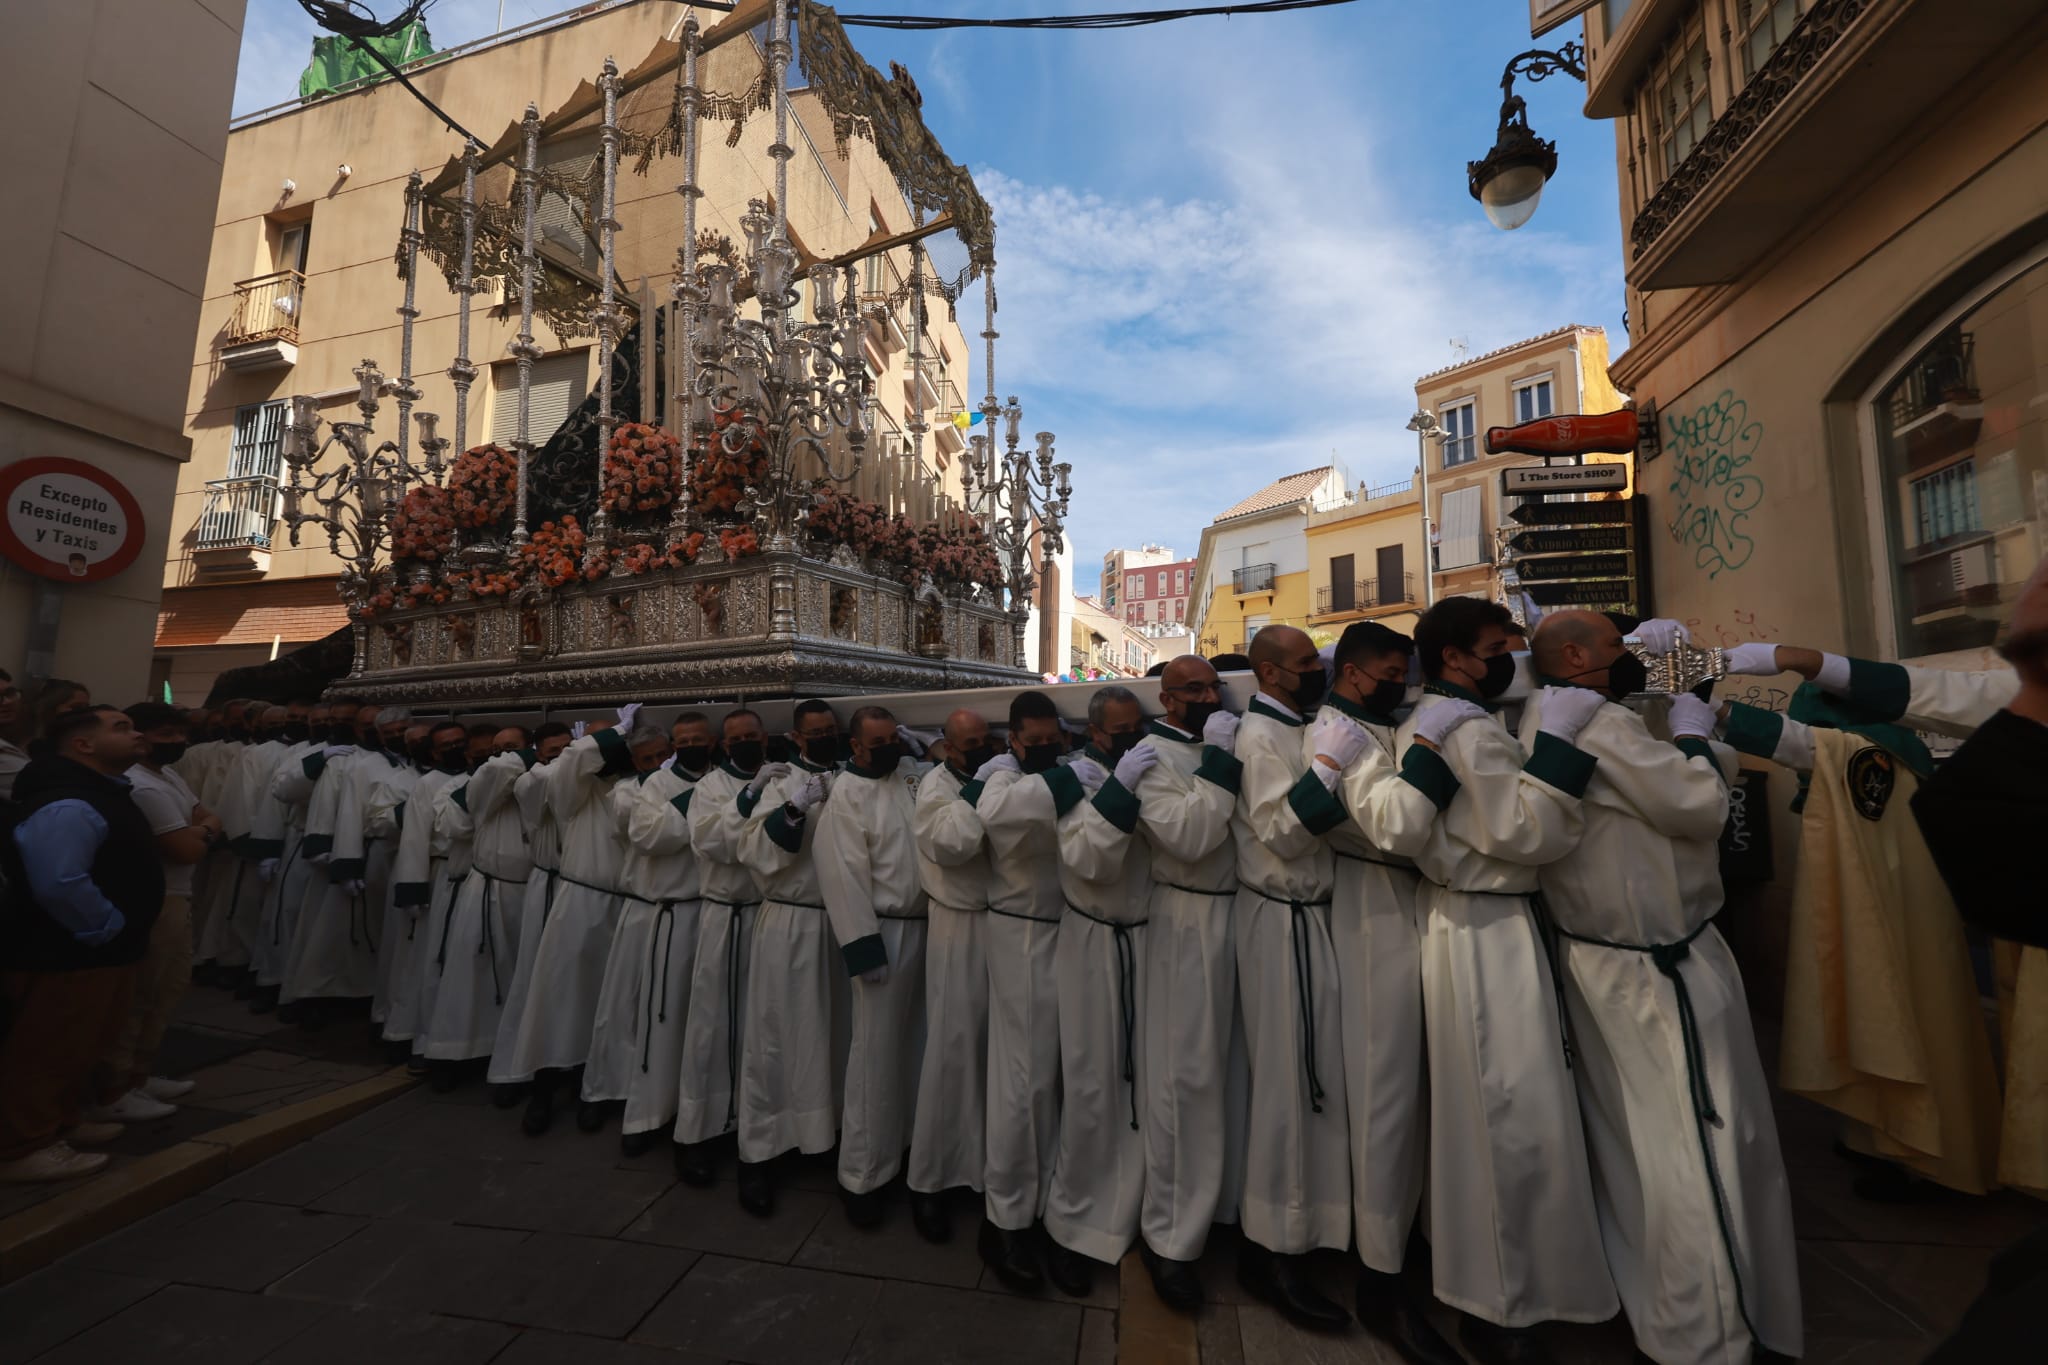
pixel 1423 424
pixel 1508 182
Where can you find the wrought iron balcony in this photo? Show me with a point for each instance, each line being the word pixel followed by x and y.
pixel 264 330
pixel 1252 578
pixel 1364 594
pixel 1946 373
pixel 235 525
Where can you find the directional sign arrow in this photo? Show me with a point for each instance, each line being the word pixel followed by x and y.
pixel 1618 512
pixel 1580 540
pixel 1575 566
pixel 1618 593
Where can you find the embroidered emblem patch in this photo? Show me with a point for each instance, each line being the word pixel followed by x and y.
pixel 1872 775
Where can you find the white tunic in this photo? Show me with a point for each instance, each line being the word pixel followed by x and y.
pixel 1297 1178
pixel 233 930
pixel 1098 1173
pixel 789 1050
pixel 544 843
pixel 1185 805
pixel 1646 1040
pixel 276 832
pixel 638 1041
pixel 707 1084
pixel 1513 1234
pixel 1020 812
pixel 866 856
pixel 476 964
pixel 384 820
pixel 334 948
pixel 419 875
pixel 1376 928
pixel 946 1142
pixel 560 1009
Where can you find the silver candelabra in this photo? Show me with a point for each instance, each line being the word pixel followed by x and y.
pixel 1020 494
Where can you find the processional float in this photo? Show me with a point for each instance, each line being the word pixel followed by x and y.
pixel 699 531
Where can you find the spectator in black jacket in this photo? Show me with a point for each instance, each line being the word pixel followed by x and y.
pixel 86 888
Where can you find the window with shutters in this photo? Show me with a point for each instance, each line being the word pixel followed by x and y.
pixel 258 449
pixel 1533 400
pixel 1458 421
pixel 1675 99
pixel 558 212
pixel 1462 542
pixel 559 384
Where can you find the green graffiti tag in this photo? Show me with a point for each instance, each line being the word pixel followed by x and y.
pixel 1713 487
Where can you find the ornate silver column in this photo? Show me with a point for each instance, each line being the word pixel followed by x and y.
pixel 523 347
pixel 688 290
pixel 461 371
pixel 407 392
pixel 605 317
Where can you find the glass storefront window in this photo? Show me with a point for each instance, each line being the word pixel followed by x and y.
pixel 1963 444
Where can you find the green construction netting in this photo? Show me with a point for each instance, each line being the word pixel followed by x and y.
pixel 338 64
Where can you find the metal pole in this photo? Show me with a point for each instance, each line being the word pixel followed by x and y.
pixel 408 314
pixel 606 316
pixel 684 338
pixel 462 373
pixel 523 347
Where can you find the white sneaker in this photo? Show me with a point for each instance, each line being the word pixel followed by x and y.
pixel 94 1134
pixel 55 1162
pixel 134 1107
pixel 166 1089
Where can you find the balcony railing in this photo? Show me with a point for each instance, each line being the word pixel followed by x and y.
pixel 267 308
pixel 1252 578
pixel 1365 593
pixel 237 514
pixel 1947 373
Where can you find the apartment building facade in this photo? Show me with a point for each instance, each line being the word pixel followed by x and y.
pixel 1365 555
pixel 1252 569
pixel 300 289
pixel 1154 597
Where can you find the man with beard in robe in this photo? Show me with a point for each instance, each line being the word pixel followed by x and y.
pixel 636 1046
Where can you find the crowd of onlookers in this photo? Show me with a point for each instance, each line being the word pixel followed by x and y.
pixel 98 839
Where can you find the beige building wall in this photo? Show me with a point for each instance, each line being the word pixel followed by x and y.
pixel 1572 361
pixel 352 292
pixel 1365 555
pixel 113 119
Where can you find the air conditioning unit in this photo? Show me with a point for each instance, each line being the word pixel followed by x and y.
pixel 1973 566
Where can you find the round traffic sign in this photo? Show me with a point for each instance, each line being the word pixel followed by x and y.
pixel 65 519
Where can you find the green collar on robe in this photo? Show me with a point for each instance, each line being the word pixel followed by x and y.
pixel 1352 709
pixel 1441 688
pixel 1824 711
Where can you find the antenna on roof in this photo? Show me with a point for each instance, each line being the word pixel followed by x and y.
pixel 1460 348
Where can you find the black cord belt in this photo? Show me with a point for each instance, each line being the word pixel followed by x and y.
pixel 958 909
pixel 277 920
pixel 359 909
pixel 1035 919
pixel 899 914
pixel 1305 984
pixel 589 886
pixel 665 909
pixel 235 896
pixel 1376 862
pixel 1667 958
pixel 767 901
pixel 1126 994
pixel 1198 891
pixel 486 938
pixel 732 1006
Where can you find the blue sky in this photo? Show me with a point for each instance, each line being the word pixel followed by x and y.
pixel 1226 247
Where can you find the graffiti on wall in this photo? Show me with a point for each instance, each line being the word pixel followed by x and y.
pixel 1713 485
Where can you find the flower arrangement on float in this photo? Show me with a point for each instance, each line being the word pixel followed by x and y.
pixel 482 486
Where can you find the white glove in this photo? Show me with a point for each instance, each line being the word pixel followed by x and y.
pixel 579 729
pixel 1221 731
pixel 877 976
pixel 626 714
pixel 1134 765
pixel 1091 773
pixel 769 772
pixel 1753 660
pixel 808 793
pixel 1532 615
pixel 1435 723
pixel 267 869
pixel 918 742
pixel 1691 718
pixel 319 859
pixel 1662 635
pixel 354 888
pixel 1339 738
pixel 1567 709
pixel 1001 763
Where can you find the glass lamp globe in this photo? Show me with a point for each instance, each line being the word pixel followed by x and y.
pixel 1511 196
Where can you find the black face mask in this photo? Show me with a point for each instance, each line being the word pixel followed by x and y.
pixel 822 750
pixel 1309 688
pixel 296 732
pixel 341 732
pixel 883 758
pixel 163 755
pixel 1123 742
pixel 451 761
pixel 1500 674
pixel 970 760
pixel 1626 676
pixel 1039 758
pixel 746 754
pixel 238 733
pixel 693 757
pixel 1386 697
pixel 1195 715
pixel 369 739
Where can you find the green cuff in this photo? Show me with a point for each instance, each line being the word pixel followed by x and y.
pixel 461 797
pixel 529 756
pixel 746 801
pixel 1753 730
pixel 1067 791
pixel 258 849
pixel 1223 769
pixel 1115 803
pixel 612 745
pixel 865 954
pixel 314 762
pixel 1560 764
pixel 1883 689
pixel 408 894
pixel 784 835
pixel 316 844
pixel 1424 769
pixel 1315 805
pixel 970 792
pixel 681 801
pixel 1692 746
pixel 345 870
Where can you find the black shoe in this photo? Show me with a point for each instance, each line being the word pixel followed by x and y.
pixel 1283 1283
pixel 245 986
pixel 1889 1184
pixel 633 1144
pixel 1012 1256
pixel 590 1115
pixel 397 1051
pixel 540 1111
pixel 1492 1345
pixel 862 1210
pixel 290 1011
pixel 505 1096
pixel 443 1077
pixel 757 1188
pixel 1386 1311
pixel 1070 1272
pixel 931 1216
pixel 696 1164
pixel 312 1015
pixel 1175 1282
pixel 265 1001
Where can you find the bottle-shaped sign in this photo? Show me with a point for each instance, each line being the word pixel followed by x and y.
pixel 1608 433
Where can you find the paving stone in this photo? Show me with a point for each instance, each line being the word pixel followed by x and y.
pixel 52 1305
pixel 349 1336
pixel 243 1089
pixel 190 1121
pixel 399 1265
pixel 1098 1337
pixel 559 1348
pixel 1838 1304
pixel 894 1250
pixel 1269 1338
pixel 1932 1285
pixel 711 1219
pixel 1832 1211
pixel 918 1322
pixel 182 1325
pixel 438 1188
pixel 596 1203
pixel 236 1246
pixel 568 1284
pixel 766 1314
pixel 303 1173
pixel 1217 1337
